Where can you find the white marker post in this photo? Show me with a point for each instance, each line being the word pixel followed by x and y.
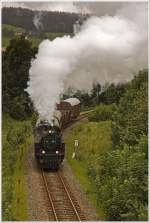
pixel 76 144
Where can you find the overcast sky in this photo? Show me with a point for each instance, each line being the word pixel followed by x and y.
pixel 96 8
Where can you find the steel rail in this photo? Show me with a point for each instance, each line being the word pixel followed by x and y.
pixel 70 199
pixel 49 196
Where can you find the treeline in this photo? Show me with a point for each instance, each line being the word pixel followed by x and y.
pixel 107 94
pixel 46 21
pixel 121 174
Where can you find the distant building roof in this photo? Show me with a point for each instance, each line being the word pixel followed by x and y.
pixel 73 101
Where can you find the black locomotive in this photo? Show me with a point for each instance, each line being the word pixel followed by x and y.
pixel 49 145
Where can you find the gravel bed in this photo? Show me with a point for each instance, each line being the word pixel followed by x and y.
pixel 37 197
pixel 79 193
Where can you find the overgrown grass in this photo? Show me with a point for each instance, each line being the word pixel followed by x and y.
pixel 35 40
pixel 52 36
pixel 15 141
pixel 94 139
pixel 5 41
pixel 8 32
pixel 12 28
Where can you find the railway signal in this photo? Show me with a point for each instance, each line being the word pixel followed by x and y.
pixel 76 144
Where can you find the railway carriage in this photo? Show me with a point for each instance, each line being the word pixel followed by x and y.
pixel 71 106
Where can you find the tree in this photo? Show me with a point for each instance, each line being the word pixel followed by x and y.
pixel 112 93
pixel 131 119
pixel 15 68
pixel 95 93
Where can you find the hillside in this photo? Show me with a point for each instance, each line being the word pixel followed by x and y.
pixel 10 31
pixel 37 22
pixel 111 160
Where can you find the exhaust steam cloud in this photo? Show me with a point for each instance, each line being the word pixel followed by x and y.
pixel 106 49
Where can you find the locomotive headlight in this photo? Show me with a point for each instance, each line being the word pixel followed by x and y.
pixel 57 152
pixel 43 152
pixel 50 131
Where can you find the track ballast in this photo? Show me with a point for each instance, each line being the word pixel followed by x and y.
pixel 62 204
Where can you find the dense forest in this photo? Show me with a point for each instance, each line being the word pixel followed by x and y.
pixel 120 172
pixel 37 22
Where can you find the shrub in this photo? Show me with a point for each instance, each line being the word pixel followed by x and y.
pixel 103 113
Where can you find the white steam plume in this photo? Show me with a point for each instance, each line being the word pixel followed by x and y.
pixel 37 20
pixel 107 49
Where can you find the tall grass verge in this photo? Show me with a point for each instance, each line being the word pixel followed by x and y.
pixel 16 137
pixel 94 140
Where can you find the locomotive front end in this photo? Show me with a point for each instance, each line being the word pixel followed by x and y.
pixel 49 148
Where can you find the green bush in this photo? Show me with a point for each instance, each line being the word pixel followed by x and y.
pixel 103 113
pixel 121 181
pixel 131 116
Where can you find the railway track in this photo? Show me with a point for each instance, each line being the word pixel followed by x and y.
pixel 62 204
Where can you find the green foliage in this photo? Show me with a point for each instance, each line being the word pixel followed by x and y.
pixel 131 120
pixel 5 41
pixel 16 139
pixel 10 30
pixel 16 62
pixel 52 36
pixel 94 139
pixel 108 94
pixel 112 93
pixel 122 184
pixel 103 113
pixel 119 173
pixel 95 94
pixel 34 119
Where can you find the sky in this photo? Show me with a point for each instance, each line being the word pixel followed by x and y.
pixel 96 8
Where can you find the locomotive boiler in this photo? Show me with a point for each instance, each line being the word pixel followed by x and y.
pixel 48 141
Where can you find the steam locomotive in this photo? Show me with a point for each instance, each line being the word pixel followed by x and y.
pixel 48 141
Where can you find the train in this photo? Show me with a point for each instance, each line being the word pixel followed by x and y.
pixel 49 147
